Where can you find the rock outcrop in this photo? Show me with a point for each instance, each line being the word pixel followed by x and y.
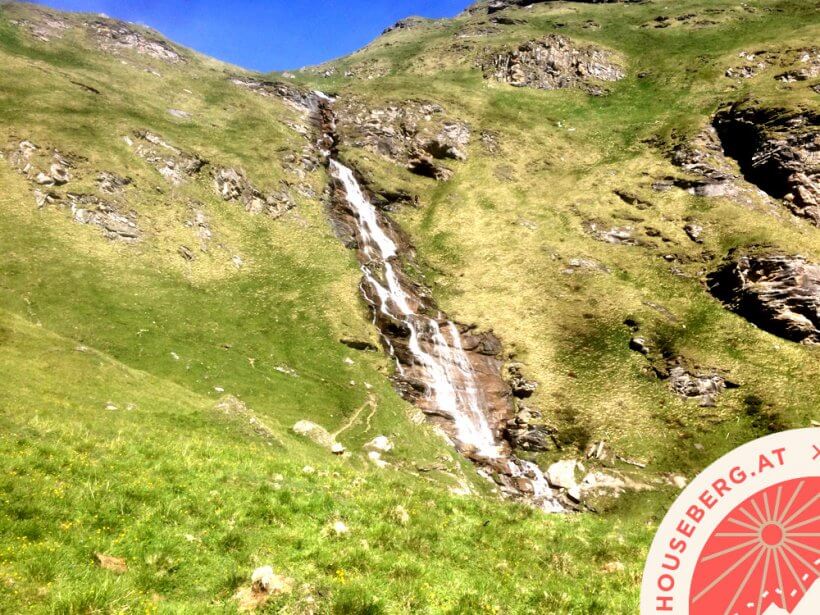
pixel 495 6
pixel 111 183
pixel 703 387
pixel 89 209
pixel 801 64
pixel 407 23
pixel 685 379
pixel 315 433
pixel 703 156
pixel 116 36
pixel 621 235
pixel 416 135
pixel 301 100
pixel 41 166
pixel 175 165
pixel 525 432
pixel 778 151
pixel 778 293
pixel 43 25
pixel 233 185
pixel 553 63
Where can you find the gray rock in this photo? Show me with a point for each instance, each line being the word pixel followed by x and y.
pixel 315 433
pixel 519 385
pixel 233 185
pixel 379 444
pixel 777 152
pixel 413 134
pixel 302 100
pixel 704 387
pixel 553 63
pixel 638 344
pixel 694 232
pixel 562 474
pixel 776 292
pixel 111 183
pixel 175 165
pixel 118 36
pixel 89 209
pixel 616 234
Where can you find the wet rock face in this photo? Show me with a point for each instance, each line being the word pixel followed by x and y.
pixel 554 63
pixel 780 294
pixel 481 350
pixel 416 135
pixel 114 36
pixel 778 152
pixel 524 432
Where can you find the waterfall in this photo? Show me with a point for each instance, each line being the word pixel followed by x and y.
pixel 435 355
pixel 436 346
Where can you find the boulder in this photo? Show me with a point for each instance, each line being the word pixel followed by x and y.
pixel 315 433
pixel 638 344
pixel 694 232
pixel 380 444
pixel 264 584
pixel 534 438
pixel 622 235
pixel 562 474
pixel 520 386
pixel 376 459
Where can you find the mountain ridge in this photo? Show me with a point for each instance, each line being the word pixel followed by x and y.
pixel 566 184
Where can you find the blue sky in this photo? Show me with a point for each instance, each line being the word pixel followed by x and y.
pixel 272 34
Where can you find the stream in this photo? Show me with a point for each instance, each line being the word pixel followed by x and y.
pixel 429 349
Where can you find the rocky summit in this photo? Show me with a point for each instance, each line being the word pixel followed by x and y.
pixel 442 325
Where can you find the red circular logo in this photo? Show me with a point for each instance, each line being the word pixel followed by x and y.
pixel 764 553
pixel 744 536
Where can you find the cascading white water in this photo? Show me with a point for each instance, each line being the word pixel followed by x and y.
pixel 450 375
pixel 434 343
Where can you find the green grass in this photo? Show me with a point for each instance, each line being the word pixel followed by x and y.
pixel 195 499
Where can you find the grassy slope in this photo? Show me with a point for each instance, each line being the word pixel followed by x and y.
pixel 194 499
pixel 563 155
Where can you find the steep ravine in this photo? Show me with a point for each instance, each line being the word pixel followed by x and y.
pixel 450 373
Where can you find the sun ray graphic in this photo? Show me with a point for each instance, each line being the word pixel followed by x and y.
pixel 763 557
